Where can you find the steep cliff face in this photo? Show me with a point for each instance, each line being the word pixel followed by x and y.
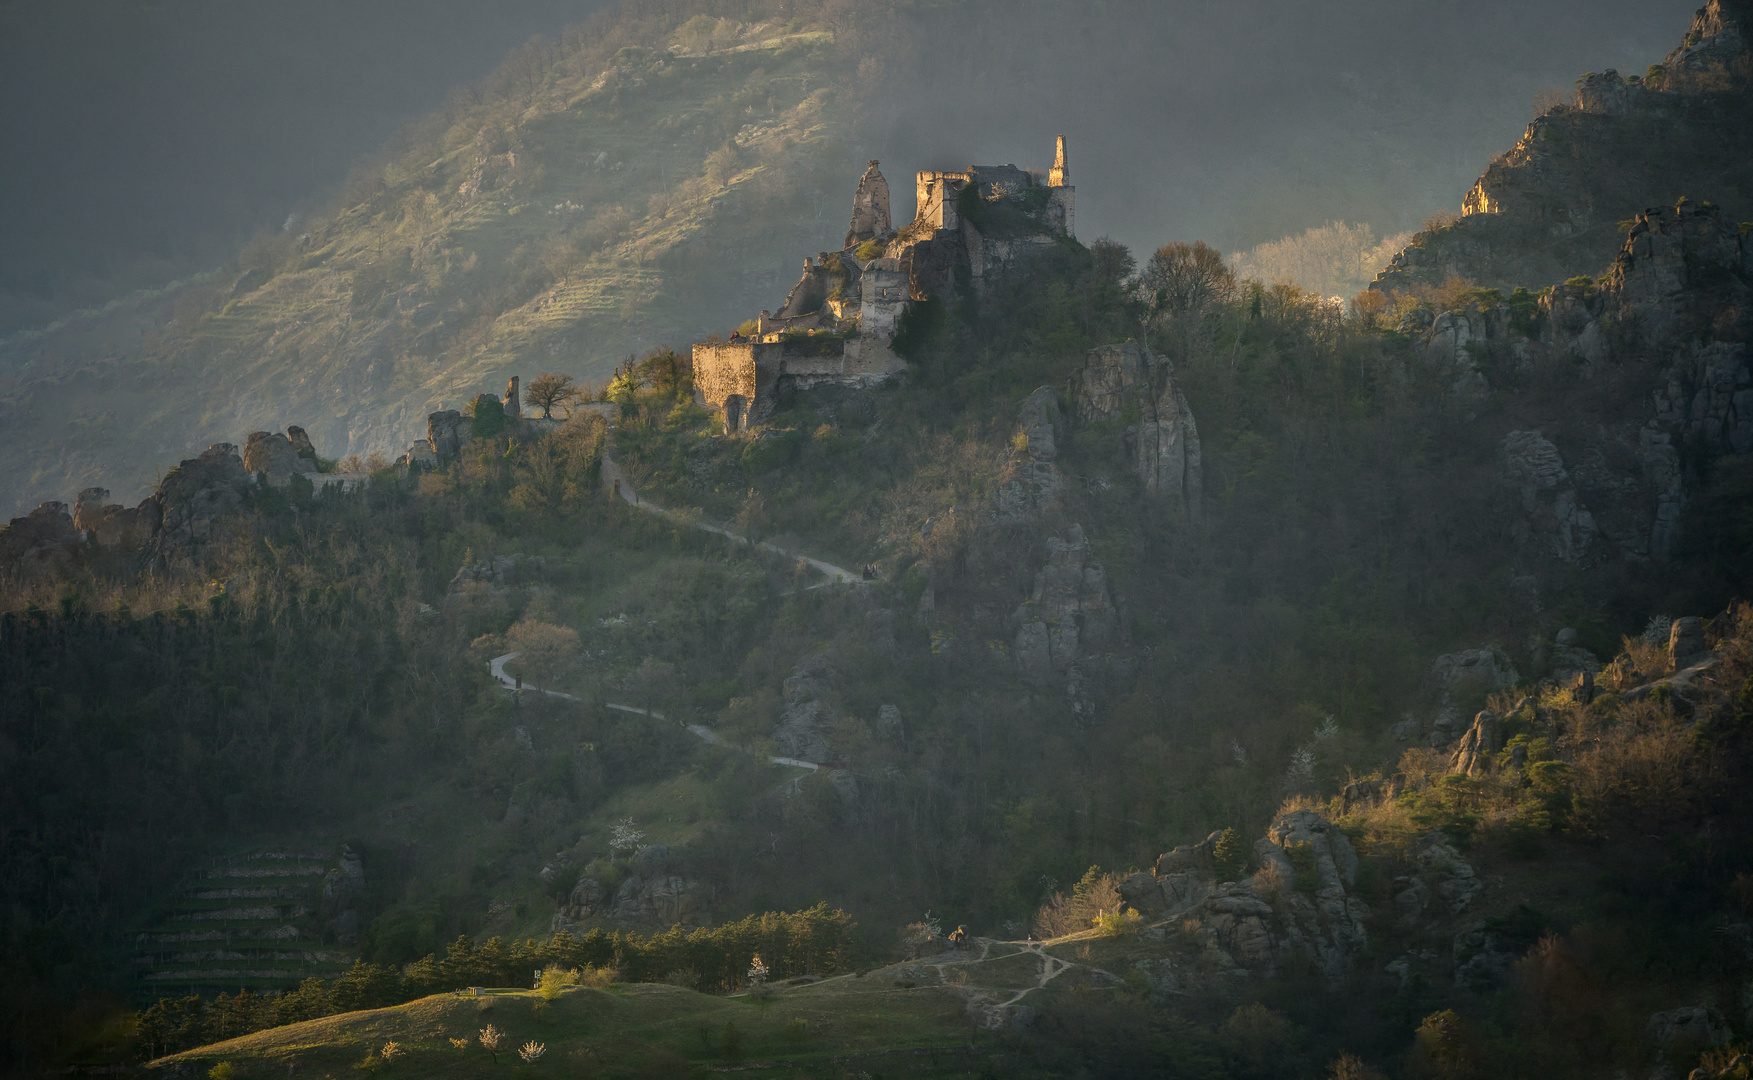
pixel 1551 208
pixel 1652 387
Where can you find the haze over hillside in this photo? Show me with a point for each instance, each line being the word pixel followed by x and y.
pixel 1232 123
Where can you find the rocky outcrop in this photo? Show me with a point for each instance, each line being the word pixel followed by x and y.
pixel 502 571
pixel 109 525
pixel 447 432
pixel 1031 481
pixel 806 718
pixel 276 457
pixel 1686 642
pixel 1443 881
pixel 870 209
pixel 1547 210
pixel 652 893
pixel 197 497
pixel 1069 613
pixel 1459 675
pixel 1552 515
pixel 1299 905
pixel 1473 752
pixel 40 542
pixel 1120 382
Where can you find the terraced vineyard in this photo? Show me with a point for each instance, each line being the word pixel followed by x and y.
pixel 252 920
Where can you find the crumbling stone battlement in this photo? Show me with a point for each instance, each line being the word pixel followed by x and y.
pixel 837 325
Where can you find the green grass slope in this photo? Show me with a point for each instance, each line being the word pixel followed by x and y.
pixel 866 1022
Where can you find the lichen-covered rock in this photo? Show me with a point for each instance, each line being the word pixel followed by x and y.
pixel 1117 382
pixel 1552 513
pixel 1069 614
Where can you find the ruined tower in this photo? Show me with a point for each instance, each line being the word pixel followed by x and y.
pixel 1060 174
pixel 513 407
pixel 870 209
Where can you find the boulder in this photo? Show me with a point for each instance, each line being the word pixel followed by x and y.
pixel 1163 444
pixel 419 453
pixel 805 718
pixel 1069 614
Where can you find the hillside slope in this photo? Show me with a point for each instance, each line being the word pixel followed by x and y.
pixel 636 185
pixel 1556 204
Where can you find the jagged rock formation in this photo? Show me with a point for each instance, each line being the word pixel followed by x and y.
pixel 803 723
pixel 1068 616
pixel 1299 905
pixel 1031 481
pixel 1548 210
pixel 197 497
pixel 650 893
pixel 870 210
pixel 447 432
pixel 40 541
pixel 278 458
pixel 109 525
pixel 1552 513
pixel 1120 381
pixel 1660 345
pixel 1472 754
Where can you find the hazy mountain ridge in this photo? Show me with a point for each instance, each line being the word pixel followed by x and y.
pixel 575 217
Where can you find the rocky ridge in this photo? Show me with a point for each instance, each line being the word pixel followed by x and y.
pixel 1550 208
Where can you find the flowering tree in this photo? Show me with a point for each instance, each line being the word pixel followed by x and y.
pixel 625 837
pixel 491 1037
pixel 531 1051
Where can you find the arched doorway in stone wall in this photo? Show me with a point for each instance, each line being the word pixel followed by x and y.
pixel 735 408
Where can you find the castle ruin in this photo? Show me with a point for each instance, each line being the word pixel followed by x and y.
pixel 838 324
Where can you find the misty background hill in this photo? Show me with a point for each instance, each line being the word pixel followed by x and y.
pixel 1238 124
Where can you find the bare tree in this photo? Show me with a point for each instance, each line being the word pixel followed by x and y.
pixel 548 390
pixel 1186 279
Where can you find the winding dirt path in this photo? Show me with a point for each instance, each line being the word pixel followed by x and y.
pixel 496 667
pixel 615 481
